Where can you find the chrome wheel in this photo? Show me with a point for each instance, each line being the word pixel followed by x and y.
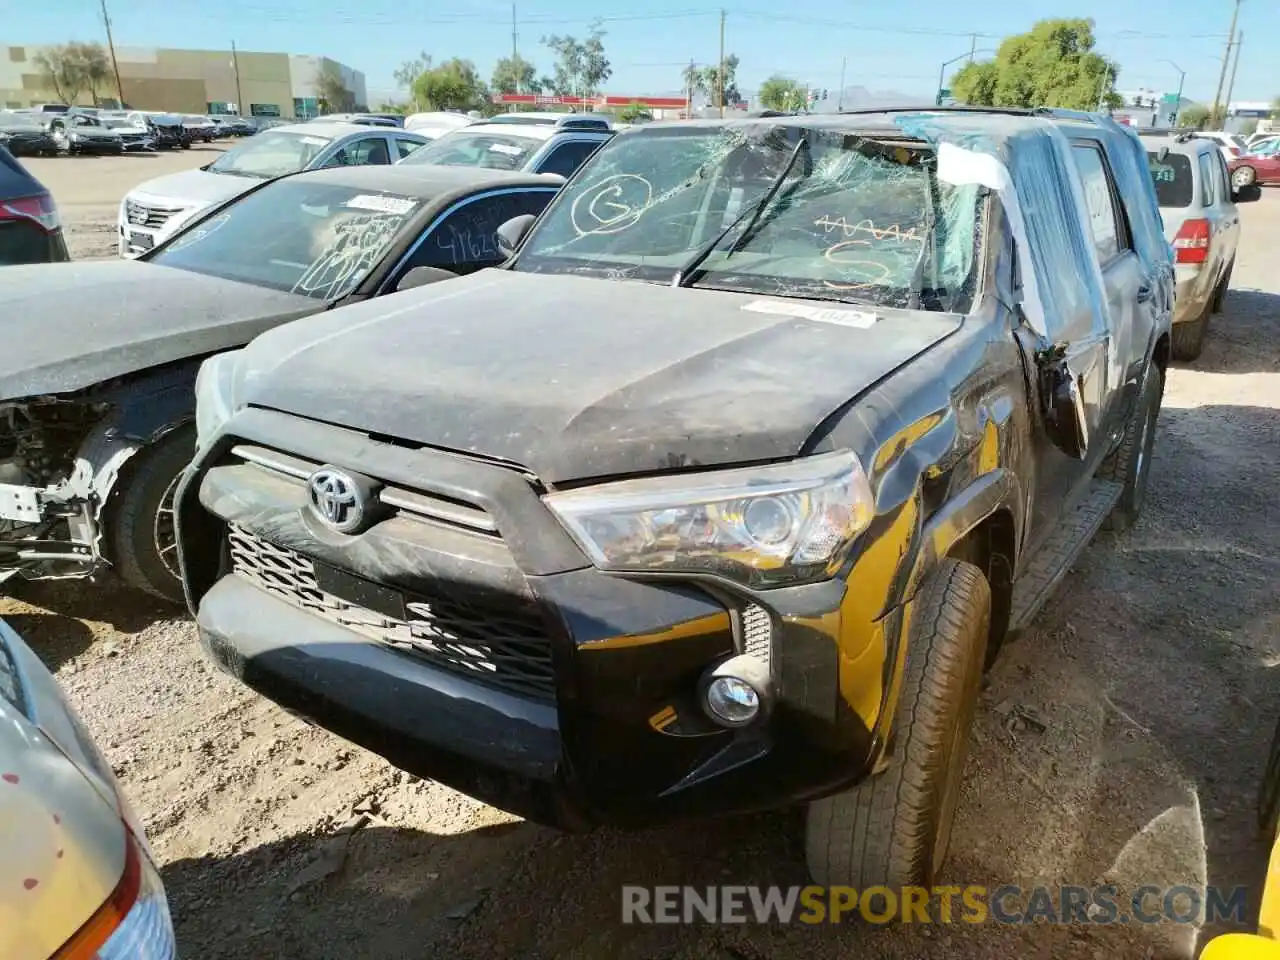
pixel 1243 177
pixel 164 531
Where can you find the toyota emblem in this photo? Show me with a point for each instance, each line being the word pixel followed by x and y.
pixel 337 499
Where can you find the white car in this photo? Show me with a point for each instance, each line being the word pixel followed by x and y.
pixel 153 211
pixel 528 142
pixel 1233 145
pixel 436 124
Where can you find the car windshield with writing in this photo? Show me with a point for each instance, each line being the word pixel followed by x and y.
pixel 808 213
pixel 1172 178
pixel 271 155
pixel 318 240
pixel 496 151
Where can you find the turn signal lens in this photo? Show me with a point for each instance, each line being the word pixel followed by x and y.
pixel 1191 245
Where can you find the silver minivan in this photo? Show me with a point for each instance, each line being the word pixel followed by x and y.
pixel 1201 223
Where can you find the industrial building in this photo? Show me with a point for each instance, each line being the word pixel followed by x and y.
pixel 244 82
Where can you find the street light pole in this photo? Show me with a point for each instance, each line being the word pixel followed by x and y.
pixel 1182 79
pixel 942 70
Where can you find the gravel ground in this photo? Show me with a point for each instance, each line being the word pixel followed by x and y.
pixel 1121 739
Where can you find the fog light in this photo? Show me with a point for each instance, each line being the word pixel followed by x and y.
pixel 732 701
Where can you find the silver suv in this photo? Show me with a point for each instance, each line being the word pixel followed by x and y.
pixel 1198 206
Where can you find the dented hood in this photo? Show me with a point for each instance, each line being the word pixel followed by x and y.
pixel 577 378
pixel 67 326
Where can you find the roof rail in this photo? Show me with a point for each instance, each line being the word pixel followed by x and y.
pixel 582 122
pixel 930 108
pixel 1062 113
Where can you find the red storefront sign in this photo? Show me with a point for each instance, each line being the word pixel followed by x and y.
pixel 552 100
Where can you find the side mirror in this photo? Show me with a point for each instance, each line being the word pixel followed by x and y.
pixel 1246 194
pixel 421 276
pixel 511 233
pixel 1066 420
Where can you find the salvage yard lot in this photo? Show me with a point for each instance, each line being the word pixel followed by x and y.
pixel 1120 740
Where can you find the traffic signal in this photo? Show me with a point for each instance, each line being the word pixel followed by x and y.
pixel 824 93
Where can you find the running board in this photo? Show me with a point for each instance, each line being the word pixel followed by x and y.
pixel 1038 582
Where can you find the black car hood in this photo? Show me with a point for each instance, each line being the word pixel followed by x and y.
pixel 576 378
pixel 67 326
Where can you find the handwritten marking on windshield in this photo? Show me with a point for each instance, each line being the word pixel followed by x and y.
pixel 836 254
pixel 355 245
pixel 612 205
pixel 850 230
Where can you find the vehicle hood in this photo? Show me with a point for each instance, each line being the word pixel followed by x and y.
pixel 68 326
pixel 62 829
pixel 576 378
pixel 33 129
pixel 196 187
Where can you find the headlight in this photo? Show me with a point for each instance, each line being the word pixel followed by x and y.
pixel 761 526
pixel 216 388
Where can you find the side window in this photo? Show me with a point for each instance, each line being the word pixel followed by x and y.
pixel 466 239
pixel 568 157
pixel 361 152
pixel 1108 235
pixel 1208 178
pixel 1224 177
pixel 406 147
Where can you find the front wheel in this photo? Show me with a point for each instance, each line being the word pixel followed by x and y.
pixel 139 519
pixel 893 829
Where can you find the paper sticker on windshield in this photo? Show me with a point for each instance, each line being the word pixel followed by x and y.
pixel 314 141
pixel 842 318
pixel 369 201
pixel 505 148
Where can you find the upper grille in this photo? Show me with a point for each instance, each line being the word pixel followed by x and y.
pixel 142 215
pixel 501 646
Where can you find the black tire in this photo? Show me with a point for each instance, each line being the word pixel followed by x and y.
pixel 1269 790
pixel 1188 336
pixel 893 829
pixel 1130 463
pixel 1220 294
pixel 134 519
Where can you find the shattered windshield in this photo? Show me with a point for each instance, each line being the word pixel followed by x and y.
pixel 319 240
pixel 271 155
pixel 776 209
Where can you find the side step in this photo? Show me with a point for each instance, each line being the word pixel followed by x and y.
pixel 1045 572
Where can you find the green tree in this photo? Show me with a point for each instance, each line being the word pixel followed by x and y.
pixel 72 69
pixel 581 65
pixel 454 85
pixel 1195 116
pixel 706 80
pixel 331 89
pixel 634 112
pixel 515 74
pixel 408 72
pixel 782 93
pixel 1053 65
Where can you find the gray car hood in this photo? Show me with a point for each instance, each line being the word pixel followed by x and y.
pixel 577 378
pixel 67 326
pixel 197 187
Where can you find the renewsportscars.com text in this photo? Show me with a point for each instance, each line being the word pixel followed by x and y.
pixel 942 904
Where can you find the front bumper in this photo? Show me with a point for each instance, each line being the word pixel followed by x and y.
pixel 143 223
pixel 605 726
pixel 29 144
pixel 86 145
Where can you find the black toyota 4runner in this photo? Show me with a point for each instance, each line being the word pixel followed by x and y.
pixel 718 495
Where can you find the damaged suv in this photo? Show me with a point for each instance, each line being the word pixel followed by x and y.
pixel 717 496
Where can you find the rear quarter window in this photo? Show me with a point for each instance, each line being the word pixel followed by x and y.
pixel 1173 179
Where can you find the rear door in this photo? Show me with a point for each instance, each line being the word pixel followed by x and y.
pixel 1216 207
pixel 1126 284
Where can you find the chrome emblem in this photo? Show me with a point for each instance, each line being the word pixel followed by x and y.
pixel 336 499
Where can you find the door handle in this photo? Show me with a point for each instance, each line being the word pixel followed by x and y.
pixel 1145 293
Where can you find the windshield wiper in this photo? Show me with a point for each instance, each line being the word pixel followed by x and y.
pixel 690 271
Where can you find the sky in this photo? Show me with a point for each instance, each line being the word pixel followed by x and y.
pixel 899 46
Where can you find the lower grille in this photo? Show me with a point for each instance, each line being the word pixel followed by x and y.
pixel 506 648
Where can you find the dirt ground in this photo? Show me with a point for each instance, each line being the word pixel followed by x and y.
pixel 1120 740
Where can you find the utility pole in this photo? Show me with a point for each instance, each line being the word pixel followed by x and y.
pixel 973 46
pixel 840 93
pixel 1231 84
pixel 115 67
pixel 1226 59
pixel 688 108
pixel 515 46
pixel 235 65
pixel 720 72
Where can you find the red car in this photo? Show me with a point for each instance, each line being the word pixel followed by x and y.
pixel 1255 168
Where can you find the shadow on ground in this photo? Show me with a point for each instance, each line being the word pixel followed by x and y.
pixel 1245 337
pixel 106 601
